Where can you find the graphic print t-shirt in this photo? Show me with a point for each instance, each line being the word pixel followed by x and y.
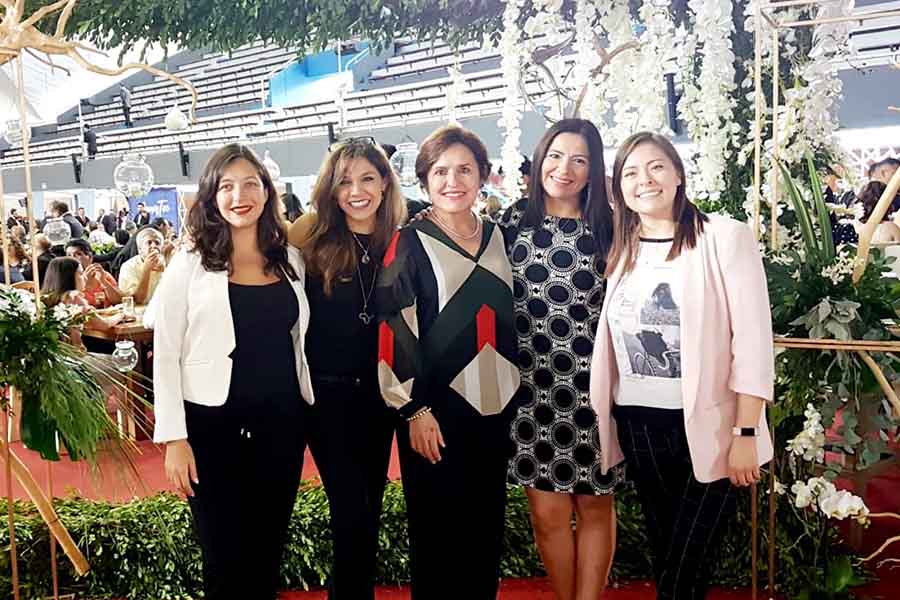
pixel 645 324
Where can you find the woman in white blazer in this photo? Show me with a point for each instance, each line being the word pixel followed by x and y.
pixel 683 361
pixel 230 375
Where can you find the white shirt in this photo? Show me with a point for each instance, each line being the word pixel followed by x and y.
pixel 645 324
pixel 130 277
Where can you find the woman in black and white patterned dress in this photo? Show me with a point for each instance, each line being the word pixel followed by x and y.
pixel 557 239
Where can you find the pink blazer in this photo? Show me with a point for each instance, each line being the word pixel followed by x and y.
pixel 726 348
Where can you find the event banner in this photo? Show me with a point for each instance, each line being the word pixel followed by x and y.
pixel 160 202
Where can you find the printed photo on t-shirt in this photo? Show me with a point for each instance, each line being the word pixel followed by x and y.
pixel 652 340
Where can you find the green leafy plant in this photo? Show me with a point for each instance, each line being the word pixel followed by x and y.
pixel 146 549
pixel 60 388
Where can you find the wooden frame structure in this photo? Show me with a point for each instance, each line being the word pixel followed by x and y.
pixel 765 15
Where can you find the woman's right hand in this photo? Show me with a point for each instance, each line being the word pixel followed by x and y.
pixel 181 469
pixel 425 437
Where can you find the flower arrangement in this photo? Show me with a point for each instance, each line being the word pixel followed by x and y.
pixel 60 386
pixel 831 416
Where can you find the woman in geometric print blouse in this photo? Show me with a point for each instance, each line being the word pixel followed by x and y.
pixel 447 355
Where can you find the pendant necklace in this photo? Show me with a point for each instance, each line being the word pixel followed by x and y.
pixel 364 316
pixel 365 255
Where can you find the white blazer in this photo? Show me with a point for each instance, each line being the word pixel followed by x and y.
pixel 194 336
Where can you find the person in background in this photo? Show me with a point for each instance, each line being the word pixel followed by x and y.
pixel 82 218
pixel 109 222
pixel 64 284
pixel 90 140
pixel 142 217
pixel 122 237
pixel 15 273
pixel 97 236
pixel 125 97
pixel 13 219
pixel 491 208
pixel 100 287
pixel 139 275
pixel 447 363
pixel 683 362
pixel 231 379
pixel 358 207
pixel 293 210
pixel 883 170
pixel 887 232
pixel 44 256
pixel 18 233
pixel 60 210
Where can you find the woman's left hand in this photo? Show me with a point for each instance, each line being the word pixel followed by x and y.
pixel 743 466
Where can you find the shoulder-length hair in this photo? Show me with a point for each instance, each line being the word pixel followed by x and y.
pixel 440 140
pixel 627 229
pixel 594 202
pixel 59 279
pixel 211 233
pixel 328 248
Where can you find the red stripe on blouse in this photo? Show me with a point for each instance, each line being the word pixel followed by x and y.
pixel 391 252
pixel 386 344
pixel 486 324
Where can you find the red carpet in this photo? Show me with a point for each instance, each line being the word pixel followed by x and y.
pixel 882 495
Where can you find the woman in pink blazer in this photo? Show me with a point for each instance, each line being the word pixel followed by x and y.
pixel 683 361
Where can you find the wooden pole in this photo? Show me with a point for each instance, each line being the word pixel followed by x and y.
pixel 845 19
pixel 757 136
pixel 868 230
pixel 757 183
pixel 45 508
pixel 10 513
pixel 776 101
pixel 26 155
pixel 54 574
pixel 773 200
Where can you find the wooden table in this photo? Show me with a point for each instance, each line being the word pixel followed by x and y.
pixel 141 336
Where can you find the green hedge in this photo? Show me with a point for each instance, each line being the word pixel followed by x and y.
pixel 146 548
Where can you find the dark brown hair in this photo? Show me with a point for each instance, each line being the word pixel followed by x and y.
pixel 59 279
pixel 594 203
pixel 440 140
pixel 328 246
pixel 869 197
pixel 211 233
pixel 627 229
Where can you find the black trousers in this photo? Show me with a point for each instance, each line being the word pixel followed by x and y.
pixel 456 508
pixel 350 435
pixel 242 506
pixel 684 517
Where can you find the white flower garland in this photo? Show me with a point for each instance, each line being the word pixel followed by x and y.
pixel 706 106
pixel 511 57
pixel 455 90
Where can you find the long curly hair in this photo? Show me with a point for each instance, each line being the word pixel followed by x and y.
pixel 211 233
pixel 328 247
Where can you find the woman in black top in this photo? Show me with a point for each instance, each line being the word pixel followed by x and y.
pixel 358 207
pixel 230 375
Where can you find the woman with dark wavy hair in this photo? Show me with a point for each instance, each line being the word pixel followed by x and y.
pixel 558 239
pixel 230 375
pixel 358 207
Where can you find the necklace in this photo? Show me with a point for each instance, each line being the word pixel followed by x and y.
pixel 446 226
pixel 365 256
pixel 364 316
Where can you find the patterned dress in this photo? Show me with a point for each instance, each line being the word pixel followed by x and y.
pixel 558 291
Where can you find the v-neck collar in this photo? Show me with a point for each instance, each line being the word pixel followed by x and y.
pixel 433 230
